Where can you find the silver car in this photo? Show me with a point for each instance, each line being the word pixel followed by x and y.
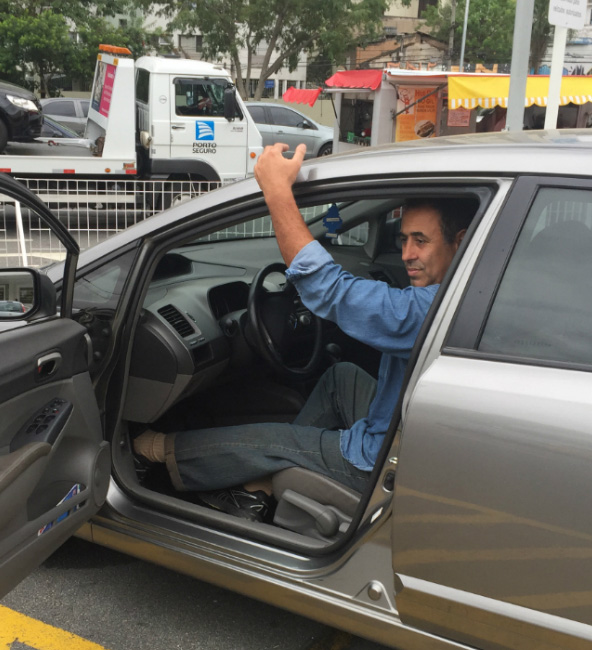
pixel 70 111
pixel 278 123
pixel 475 529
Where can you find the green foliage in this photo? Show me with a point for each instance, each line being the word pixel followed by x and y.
pixel 490 29
pixel 281 29
pixel 36 43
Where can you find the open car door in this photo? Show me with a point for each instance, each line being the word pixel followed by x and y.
pixel 54 464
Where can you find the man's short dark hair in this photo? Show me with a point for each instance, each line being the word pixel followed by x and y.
pixel 456 214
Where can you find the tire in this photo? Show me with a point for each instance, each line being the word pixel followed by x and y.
pixel 3 136
pixel 174 194
pixel 326 149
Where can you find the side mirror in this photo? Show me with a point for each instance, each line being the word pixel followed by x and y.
pixel 26 294
pixel 230 103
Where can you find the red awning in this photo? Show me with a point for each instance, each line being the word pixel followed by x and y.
pixel 356 79
pixel 301 96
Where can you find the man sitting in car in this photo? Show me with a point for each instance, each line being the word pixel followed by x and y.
pixel 340 429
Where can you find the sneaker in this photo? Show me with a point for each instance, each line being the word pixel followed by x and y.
pixel 253 506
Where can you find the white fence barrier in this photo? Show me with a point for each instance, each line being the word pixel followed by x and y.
pixel 91 210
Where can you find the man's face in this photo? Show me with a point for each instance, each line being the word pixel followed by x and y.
pixel 427 255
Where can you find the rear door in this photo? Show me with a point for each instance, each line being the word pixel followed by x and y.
pixel 492 534
pixel 54 464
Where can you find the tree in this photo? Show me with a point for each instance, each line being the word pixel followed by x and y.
pixel 37 44
pixel 283 28
pixel 490 29
pixel 542 31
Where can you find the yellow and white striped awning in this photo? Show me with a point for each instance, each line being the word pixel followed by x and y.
pixel 487 91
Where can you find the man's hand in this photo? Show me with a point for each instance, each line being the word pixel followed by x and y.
pixel 276 174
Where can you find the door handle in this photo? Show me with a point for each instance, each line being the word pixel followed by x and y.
pixel 48 365
pixel 177 126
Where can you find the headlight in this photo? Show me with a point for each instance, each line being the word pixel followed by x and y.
pixel 21 102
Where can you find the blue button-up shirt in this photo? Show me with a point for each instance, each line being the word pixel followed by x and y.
pixel 372 312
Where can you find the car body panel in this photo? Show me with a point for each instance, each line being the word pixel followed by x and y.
pixel 22 124
pixel 54 463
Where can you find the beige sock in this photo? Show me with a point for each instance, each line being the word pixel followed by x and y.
pixel 151 445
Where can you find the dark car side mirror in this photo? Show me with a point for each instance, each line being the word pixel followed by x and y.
pixel 26 294
pixel 230 111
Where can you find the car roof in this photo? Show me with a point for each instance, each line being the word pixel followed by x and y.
pixel 565 152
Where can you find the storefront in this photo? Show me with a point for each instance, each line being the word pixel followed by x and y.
pixel 374 107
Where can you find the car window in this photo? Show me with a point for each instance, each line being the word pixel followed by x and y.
pixel 258 114
pixel 285 117
pixel 200 96
pixel 65 107
pixel 84 104
pixel 102 287
pixel 543 307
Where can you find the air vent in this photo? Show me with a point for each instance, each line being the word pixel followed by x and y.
pixel 173 316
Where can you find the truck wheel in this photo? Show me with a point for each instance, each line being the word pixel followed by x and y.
pixel 180 190
pixel 3 136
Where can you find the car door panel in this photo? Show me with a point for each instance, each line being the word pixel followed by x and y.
pixel 36 473
pixel 54 463
pixel 492 539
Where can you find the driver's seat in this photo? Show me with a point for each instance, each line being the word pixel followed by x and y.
pixel 313 504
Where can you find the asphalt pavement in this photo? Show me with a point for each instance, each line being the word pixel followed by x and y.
pixel 122 603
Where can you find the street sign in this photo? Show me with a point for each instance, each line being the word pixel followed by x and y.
pixel 568 13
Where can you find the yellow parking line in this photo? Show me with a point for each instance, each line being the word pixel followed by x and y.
pixel 15 627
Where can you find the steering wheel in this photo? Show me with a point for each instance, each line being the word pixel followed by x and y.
pixel 279 326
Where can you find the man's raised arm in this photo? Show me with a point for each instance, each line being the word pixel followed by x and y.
pixel 276 175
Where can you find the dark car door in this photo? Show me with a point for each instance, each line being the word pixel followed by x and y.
pixel 492 534
pixel 54 464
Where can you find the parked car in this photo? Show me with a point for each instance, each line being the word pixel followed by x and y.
pixel 20 115
pixel 54 129
pixel 278 123
pixel 11 307
pixel 474 531
pixel 70 111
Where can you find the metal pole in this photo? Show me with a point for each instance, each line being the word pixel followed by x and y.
pixel 21 232
pixel 559 40
pixel 451 34
pixel 464 37
pixel 519 68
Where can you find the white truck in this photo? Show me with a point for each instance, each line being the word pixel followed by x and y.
pixel 153 118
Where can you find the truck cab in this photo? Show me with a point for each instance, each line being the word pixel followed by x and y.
pixel 191 122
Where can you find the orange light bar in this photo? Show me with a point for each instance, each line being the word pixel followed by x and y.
pixel 113 49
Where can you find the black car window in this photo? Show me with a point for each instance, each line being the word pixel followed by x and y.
pixel 285 117
pixel 196 97
pixel 543 307
pixel 65 107
pixel 258 114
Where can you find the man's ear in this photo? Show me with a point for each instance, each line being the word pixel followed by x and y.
pixel 460 236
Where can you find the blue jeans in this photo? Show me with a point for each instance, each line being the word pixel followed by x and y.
pixel 210 459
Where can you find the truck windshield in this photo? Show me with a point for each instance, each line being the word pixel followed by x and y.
pixel 200 96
